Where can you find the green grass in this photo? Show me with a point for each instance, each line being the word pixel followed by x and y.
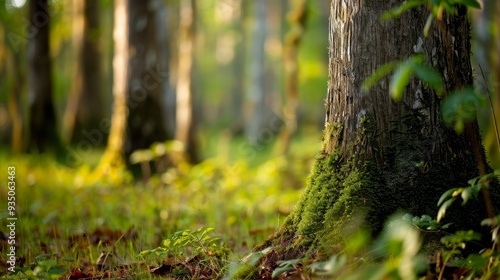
pixel 65 211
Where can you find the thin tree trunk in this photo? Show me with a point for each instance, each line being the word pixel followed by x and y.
pixel 15 108
pixel 42 119
pixel 184 110
pixel 113 158
pixel 297 19
pixel 256 94
pixel 163 36
pixel 85 109
pixel 238 65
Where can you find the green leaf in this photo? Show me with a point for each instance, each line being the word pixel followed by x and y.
pixel 329 267
pixel 461 106
pixel 381 72
pixel 426 218
pixel 460 237
pixel 401 9
pixel 445 195
pixel 474 261
pixel 473 181
pixel 467 193
pixel 446 225
pixel 57 271
pixel 449 7
pixel 429 76
pixel 284 266
pixel 407 217
pixel 280 270
pixel 428 23
pixel 44 256
pixel 443 208
pixel 400 80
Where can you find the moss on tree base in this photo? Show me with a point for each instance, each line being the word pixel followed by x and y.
pixel 342 196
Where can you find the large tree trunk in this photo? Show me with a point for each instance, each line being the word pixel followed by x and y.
pixel 85 109
pixel 381 156
pixel 42 118
pixel 145 116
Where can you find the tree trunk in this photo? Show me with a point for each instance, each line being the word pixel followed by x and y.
pixel 238 66
pixel 113 158
pixel 297 19
pixel 85 109
pixel 145 114
pixel 381 156
pixel 256 111
pixel 18 142
pixel 42 118
pixel 184 110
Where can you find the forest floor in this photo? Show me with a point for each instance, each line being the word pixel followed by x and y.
pixel 194 222
pixel 71 225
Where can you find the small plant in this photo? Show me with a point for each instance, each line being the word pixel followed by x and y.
pixel 194 253
pixel 425 222
pixel 46 266
pixel 466 193
pixel 188 241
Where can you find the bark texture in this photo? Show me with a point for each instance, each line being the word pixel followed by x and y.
pixel 381 156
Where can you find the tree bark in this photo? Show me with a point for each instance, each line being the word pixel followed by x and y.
pixel 42 118
pixel 381 156
pixel 85 109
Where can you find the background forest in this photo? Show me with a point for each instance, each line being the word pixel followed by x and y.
pixel 230 119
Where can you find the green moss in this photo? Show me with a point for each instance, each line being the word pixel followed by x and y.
pixel 406 175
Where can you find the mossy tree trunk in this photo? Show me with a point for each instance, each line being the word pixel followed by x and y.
pixel 381 156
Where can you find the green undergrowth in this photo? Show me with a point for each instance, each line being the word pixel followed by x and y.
pixel 70 213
